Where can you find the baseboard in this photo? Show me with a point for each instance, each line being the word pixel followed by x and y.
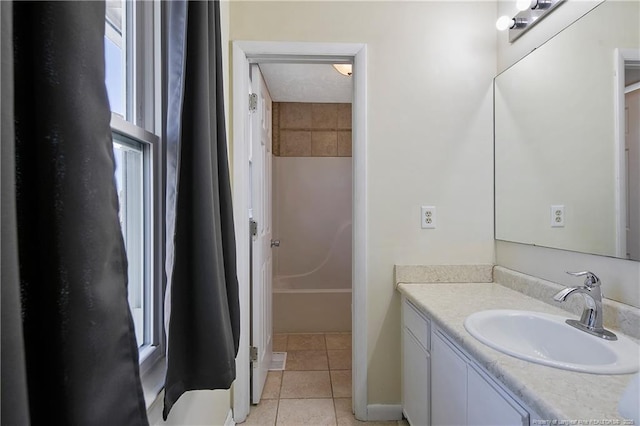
pixel 384 412
pixel 229 420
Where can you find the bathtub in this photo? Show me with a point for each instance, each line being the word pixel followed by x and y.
pixel 312 213
pixel 318 300
pixel 311 310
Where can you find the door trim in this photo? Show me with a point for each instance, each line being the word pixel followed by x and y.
pixel 242 53
pixel 620 57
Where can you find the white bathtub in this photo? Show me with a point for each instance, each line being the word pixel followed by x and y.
pixel 318 300
pixel 312 210
pixel 311 311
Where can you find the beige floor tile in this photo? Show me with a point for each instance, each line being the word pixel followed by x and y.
pixel 339 359
pixel 271 388
pixel 341 383
pixel 305 342
pixel 263 413
pixel 307 360
pixel 279 342
pixel 296 412
pixel 338 341
pixel 306 384
pixel 344 415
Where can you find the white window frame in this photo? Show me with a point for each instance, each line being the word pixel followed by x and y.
pixel 143 123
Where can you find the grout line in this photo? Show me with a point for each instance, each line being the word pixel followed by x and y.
pixel 335 410
pixel 333 399
pixel 326 351
pixel 275 421
pixel 286 348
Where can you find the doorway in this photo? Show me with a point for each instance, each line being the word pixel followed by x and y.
pixel 245 53
pixel 312 197
pixel 627 105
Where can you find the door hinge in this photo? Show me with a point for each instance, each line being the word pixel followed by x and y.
pixel 253 354
pixel 253 227
pixel 253 102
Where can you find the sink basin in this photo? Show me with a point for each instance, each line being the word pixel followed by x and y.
pixel 548 340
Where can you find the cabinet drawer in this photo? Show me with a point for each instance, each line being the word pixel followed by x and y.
pixel 417 324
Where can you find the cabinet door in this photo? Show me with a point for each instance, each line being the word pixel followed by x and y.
pixel 448 384
pixel 415 381
pixel 486 404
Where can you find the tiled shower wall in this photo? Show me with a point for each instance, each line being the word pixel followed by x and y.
pixel 311 130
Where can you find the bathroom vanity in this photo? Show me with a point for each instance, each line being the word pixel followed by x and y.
pixel 444 385
pixel 449 377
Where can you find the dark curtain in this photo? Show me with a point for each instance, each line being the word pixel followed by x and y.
pixel 69 354
pixel 15 410
pixel 202 296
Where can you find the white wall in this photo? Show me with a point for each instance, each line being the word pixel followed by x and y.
pixel 312 210
pixel 429 138
pixel 620 278
pixel 194 408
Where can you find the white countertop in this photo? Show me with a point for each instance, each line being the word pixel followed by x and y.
pixel 555 394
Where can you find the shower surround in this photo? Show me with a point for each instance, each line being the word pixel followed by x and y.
pixel 312 210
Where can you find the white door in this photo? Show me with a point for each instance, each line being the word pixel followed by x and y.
pixel 261 275
pixel 632 151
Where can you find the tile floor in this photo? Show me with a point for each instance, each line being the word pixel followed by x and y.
pixel 315 388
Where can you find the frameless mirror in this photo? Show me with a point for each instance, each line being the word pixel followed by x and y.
pixel 566 156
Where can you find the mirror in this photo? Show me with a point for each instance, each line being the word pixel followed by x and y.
pixel 562 178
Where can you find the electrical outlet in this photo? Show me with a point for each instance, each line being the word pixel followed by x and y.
pixel 428 217
pixel 557 216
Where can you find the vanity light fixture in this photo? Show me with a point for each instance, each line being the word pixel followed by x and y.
pixel 541 4
pixel 344 69
pixel 506 23
pixel 522 5
pixel 530 13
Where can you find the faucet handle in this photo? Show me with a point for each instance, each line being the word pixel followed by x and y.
pixel 591 281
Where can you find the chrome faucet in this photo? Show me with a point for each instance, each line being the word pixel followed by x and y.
pixel 591 320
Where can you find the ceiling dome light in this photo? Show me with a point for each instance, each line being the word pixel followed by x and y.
pixel 344 69
pixel 504 23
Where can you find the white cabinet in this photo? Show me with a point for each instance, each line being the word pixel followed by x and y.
pixel 462 394
pixel 415 383
pixel 416 365
pixel 448 384
pixel 442 385
pixel 488 405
